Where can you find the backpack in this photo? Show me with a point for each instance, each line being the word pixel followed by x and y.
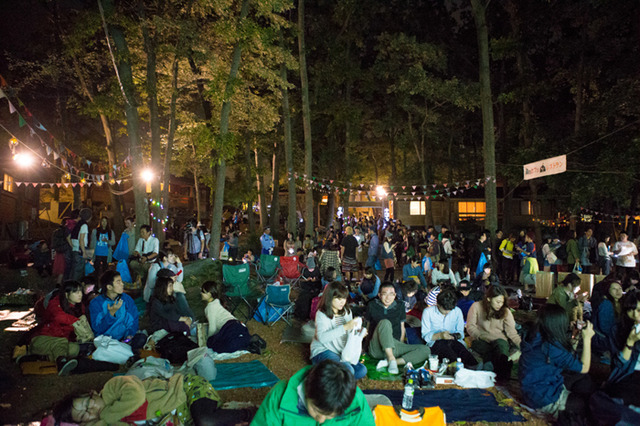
pixel 174 347
pixel 561 252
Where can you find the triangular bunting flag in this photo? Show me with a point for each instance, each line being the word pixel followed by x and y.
pixel 21 121
pixel 41 127
pixel 34 184
pixel 18 183
pixel 2 95
pixel 66 185
pixel 403 187
pixel 58 185
pixel 12 109
pixel 3 83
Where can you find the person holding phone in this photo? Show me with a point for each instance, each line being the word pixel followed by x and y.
pixel 568 296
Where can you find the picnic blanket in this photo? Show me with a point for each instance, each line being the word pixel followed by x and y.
pixel 374 374
pixel 472 405
pixel 252 374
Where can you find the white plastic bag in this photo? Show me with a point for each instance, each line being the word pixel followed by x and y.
pixel 151 367
pixel 475 379
pixel 200 360
pixel 111 350
pixel 353 348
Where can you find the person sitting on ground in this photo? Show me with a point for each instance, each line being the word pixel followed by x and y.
pixel 491 326
pixel 129 400
pixel 165 260
pixel 486 279
pixel 114 313
pixel 406 294
pixel 432 296
pixel 333 322
pixel 605 317
pixel 413 271
pixel 624 381
pixel 56 338
pixel 226 334
pixel 325 393
pixel 442 274
pixel 443 329
pixel 165 312
pixel 330 275
pixel 463 274
pixel 552 379
pixel 249 257
pixel 564 295
pixel 147 249
pixel 370 285
pixel 467 297
pixel 386 316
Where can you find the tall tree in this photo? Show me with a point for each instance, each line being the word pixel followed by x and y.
pixel 292 217
pixel 306 123
pixel 486 103
pixel 224 139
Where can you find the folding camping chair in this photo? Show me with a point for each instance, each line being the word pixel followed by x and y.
pixel 241 292
pixel 268 268
pixel 290 270
pixel 278 306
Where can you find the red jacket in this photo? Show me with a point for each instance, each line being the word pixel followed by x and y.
pixel 58 323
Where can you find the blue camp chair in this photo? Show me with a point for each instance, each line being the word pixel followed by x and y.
pixel 275 305
pixel 268 268
pixel 237 280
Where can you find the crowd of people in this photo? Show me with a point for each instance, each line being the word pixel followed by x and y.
pixel 453 298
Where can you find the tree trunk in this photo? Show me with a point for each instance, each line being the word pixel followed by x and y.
pixel 274 219
pixel 306 122
pixel 292 217
pixel 262 193
pixel 126 77
pixel 166 172
pixel 249 186
pixel 216 216
pixel 489 144
pixel 150 44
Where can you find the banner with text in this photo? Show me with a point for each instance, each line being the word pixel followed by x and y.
pixel 550 166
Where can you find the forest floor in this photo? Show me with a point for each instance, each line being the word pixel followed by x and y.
pixel 24 399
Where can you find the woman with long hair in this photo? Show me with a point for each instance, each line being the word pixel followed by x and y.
pixel 333 323
pixel 552 378
pixel 164 311
pixel 387 256
pixel 226 334
pixel 605 316
pixel 492 328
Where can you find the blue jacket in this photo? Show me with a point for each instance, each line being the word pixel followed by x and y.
pixel 620 368
pixel 541 367
pixel 374 246
pixel 408 271
pixel 123 324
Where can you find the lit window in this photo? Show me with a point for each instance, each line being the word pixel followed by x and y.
pixel 417 208
pixel 526 208
pixel 471 209
pixel 7 184
pixel 148 187
pixel 325 200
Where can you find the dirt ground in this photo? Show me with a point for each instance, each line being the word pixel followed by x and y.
pixel 24 399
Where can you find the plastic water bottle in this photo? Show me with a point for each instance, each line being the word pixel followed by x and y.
pixel 407 399
pixel 459 364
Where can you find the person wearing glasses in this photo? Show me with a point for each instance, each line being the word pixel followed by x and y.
pixel 386 316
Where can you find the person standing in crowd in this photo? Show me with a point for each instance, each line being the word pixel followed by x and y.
pixel 348 248
pixel 507 248
pixel 625 252
pixel 102 242
pixel 79 244
pixel 604 255
pixel 388 257
pixel 587 248
pixel 193 242
pixel 267 241
pixel 447 248
pixel 130 230
pixel 573 252
pixel 374 248
pixel 62 247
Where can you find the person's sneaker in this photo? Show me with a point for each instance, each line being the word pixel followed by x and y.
pixel 382 364
pixel 393 367
pixel 67 367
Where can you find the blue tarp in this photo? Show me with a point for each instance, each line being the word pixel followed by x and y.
pixel 472 405
pixel 252 374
